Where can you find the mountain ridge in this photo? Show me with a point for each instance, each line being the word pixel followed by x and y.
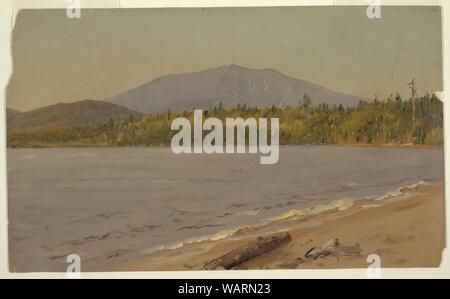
pixel 230 85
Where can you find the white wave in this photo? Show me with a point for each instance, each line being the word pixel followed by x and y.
pixel 390 194
pixel 417 185
pixel 402 191
pixel 175 245
pixel 249 213
pixel 288 214
pixel 340 205
pixel 344 204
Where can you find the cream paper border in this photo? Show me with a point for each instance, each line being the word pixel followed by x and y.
pixel 8 10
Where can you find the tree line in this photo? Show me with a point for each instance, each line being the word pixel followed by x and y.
pixel 370 122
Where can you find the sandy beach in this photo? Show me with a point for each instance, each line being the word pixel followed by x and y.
pixel 405 231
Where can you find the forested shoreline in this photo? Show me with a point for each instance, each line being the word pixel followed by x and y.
pixel 372 122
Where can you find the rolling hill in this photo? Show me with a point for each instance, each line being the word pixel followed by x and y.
pixel 229 85
pixel 66 115
pixel 11 112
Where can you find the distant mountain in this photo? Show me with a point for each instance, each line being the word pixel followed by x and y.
pixel 78 114
pixel 229 85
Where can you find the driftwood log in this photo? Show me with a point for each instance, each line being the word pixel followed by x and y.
pixel 249 251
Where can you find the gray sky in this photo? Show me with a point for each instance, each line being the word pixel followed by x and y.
pixel 56 59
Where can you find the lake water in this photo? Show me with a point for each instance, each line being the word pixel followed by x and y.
pixel 113 204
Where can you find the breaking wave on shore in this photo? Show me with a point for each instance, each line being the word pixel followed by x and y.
pixel 316 209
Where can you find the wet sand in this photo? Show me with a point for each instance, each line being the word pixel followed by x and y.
pixel 407 231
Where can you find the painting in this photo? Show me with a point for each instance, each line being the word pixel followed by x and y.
pixel 225 138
